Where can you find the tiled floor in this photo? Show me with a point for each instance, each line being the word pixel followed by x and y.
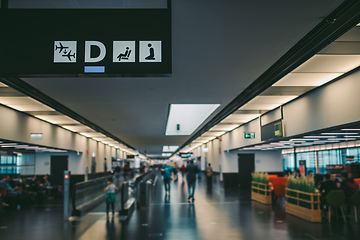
pixel 218 214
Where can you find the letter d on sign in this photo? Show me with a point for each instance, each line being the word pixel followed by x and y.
pixel 100 45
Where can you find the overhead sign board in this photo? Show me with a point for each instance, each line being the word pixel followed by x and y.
pixel 272 130
pixel 78 42
pixel 185 155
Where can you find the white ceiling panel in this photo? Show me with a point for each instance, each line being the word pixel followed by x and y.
pixel 135 109
pixel 306 79
pixel 57 119
pixel 24 104
pixel 93 134
pixel 239 118
pixel 77 128
pixel 213 134
pixel 329 64
pixel 224 127
pixel 266 102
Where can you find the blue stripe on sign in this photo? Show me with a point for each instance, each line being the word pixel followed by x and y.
pixel 94 69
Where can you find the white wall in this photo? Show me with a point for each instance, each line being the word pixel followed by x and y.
pixel 43 162
pixel 332 105
pixel 16 126
pixel 268 161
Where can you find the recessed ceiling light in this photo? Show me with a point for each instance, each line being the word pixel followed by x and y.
pixel 224 127
pixel 339 133
pixel 319 136
pixel 343 139
pixel 170 148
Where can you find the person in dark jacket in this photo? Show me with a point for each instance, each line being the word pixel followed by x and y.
pixel 191 171
pixel 348 185
pixel 325 187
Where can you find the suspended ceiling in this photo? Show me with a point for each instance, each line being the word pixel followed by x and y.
pixel 218 50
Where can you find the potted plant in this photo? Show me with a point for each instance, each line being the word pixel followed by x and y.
pixel 261 188
pixel 302 199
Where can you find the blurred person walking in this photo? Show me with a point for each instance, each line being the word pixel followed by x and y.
pixel 168 173
pixel 191 171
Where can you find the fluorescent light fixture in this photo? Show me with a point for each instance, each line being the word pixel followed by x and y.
pixel 266 102
pixel 339 133
pixel 351 136
pixel 32 147
pixel 21 146
pixel 215 134
pixel 184 119
pixel 7 144
pixel 57 119
pixel 297 79
pixel 166 154
pixel 239 118
pixel 170 148
pixel 326 63
pixel 344 139
pixel 24 104
pixel 350 129
pixel 93 134
pixel 77 128
pixel 206 138
pixel 224 127
pixel 319 136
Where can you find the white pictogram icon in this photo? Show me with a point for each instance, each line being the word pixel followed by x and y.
pixel 150 51
pixel 65 51
pixel 124 51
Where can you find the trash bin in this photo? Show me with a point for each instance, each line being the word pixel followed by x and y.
pixel 145 193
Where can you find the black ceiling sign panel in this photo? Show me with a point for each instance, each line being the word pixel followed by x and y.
pixel 130 42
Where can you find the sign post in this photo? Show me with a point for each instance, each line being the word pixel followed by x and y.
pixel 66 194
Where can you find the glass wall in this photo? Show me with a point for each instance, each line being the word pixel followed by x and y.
pixel 23 164
pixel 325 157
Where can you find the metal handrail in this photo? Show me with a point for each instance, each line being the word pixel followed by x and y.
pixel 82 187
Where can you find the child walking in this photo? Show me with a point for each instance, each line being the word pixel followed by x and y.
pixel 110 196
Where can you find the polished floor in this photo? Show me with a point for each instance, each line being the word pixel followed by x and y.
pixel 216 214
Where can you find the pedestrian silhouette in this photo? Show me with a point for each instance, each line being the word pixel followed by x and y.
pixel 152 55
pixel 124 55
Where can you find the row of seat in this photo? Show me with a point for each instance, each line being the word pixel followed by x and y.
pixel 336 199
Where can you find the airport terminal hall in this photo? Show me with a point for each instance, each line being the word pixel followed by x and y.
pixel 179 119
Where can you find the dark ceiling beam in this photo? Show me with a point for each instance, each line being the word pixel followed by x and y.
pixel 4 4
pixel 27 89
pixel 342 19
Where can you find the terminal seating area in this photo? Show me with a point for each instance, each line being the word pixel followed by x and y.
pixel 315 207
pixel 24 191
pixel 216 213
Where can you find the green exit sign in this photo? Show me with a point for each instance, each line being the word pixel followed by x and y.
pixel 249 135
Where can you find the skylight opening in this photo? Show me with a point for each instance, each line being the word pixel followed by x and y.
pixel 184 119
